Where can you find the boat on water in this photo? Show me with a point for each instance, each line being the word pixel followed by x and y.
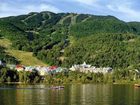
pixel 57 87
pixel 136 85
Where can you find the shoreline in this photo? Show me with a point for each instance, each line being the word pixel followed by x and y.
pixel 74 83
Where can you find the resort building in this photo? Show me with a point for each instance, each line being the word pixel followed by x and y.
pixel 88 68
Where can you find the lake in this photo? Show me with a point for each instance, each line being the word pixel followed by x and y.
pixel 85 94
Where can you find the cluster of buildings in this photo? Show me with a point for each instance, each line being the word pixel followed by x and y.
pixel 42 70
pixel 85 68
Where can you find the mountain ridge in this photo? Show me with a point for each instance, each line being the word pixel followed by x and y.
pixel 51 36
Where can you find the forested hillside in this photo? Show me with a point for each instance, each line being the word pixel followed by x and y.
pixel 67 38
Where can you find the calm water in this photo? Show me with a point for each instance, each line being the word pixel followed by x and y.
pixel 87 94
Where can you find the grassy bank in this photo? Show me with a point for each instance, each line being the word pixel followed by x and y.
pixel 24 57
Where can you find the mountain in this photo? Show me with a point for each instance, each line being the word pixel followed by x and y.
pixel 68 38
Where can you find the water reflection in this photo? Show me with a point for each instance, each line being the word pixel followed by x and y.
pixel 86 94
pixel 89 94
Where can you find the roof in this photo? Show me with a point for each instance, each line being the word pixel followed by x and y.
pixel 19 66
pixel 53 67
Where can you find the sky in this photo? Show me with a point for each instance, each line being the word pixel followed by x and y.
pixel 127 10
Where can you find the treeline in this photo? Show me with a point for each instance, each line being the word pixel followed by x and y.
pixel 7 75
pixel 118 76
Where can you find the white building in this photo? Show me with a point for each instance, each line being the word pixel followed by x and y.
pixel 88 68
